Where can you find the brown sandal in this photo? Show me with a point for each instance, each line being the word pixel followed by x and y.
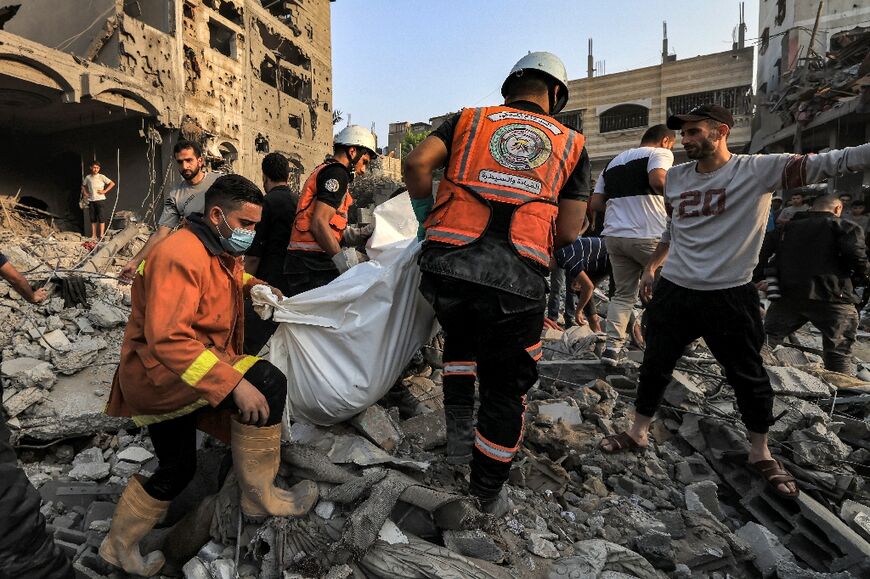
pixel 621 442
pixel 775 474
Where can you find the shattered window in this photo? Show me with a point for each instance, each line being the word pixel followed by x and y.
pixel 737 99
pixel 221 38
pixel 623 117
pixel 572 119
pixel 765 41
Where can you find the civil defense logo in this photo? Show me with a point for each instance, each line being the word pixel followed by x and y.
pixel 520 147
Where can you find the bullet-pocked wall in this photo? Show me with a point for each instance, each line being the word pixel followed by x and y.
pixel 241 78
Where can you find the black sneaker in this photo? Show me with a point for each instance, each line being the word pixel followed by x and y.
pixel 612 356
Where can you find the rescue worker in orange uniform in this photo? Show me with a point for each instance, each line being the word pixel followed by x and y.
pixel 182 369
pixel 515 186
pixel 315 255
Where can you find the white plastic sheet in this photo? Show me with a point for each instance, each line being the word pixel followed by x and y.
pixel 343 345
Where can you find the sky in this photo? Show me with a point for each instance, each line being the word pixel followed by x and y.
pixel 409 60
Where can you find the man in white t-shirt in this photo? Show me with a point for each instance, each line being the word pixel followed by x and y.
pixel 720 210
pixel 94 188
pixel 631 188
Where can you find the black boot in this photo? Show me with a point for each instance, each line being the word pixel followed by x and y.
pixel 460 434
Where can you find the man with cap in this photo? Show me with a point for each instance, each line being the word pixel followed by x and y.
pixel 720 203
pixel 514 189
pixel 315 255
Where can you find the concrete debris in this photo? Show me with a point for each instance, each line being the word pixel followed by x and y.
pixel 390 505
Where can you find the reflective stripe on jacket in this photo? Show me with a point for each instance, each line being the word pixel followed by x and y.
pixel 182 347
pixel 301 238
pixel 505 155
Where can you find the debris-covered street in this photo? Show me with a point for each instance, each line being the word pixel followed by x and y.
pixel 601 326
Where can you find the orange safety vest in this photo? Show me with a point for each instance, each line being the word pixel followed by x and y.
pixel 301 238
pixel 510 156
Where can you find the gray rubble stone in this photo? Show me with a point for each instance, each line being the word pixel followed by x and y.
pixel 135 454
pixel 376 424
pixel 88 455
pixel 598 558
pixel 26 372
pixel 795 382
pixel 84 325
pixel 125 469
pixel 90 471
pixel 816 445
pixel 196 569
pixel 769 551
pixel 56 340
pixel 791 570
pixel 540 545
pixel 473 543
pixel 556 412
pixel 657 547
pixel 105 315
pixel 325 509
pixel 429 428
pixel 704 496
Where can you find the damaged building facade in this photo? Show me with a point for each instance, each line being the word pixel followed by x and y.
pixel 121 81
pixel 813 79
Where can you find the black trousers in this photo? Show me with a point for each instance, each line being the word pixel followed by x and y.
pixel 492 337
pixel 257 330
pixel 97 211
pixel 838 324
pixel 301 277
pixel 26 549
pixel 175 440
pixel 729 320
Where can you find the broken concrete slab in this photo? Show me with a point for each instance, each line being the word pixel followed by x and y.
pixel 105 315
pixel 429 430
pixel 816 445
pixel 90 471
pixel 857 516
pixel 28 372
pixel 796 382
pixel 703 496
pixel 22 400
pixel 540 544
pixel 768 550
pixel 562 411
pixel 55 340
pixel 376 424
pixel 135 454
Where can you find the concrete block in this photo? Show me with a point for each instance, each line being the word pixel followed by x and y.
pixel 474 543
pixel 540 545
pixel 430 429
pixel 90 471
pixel 767 548
pixel 556 412
pixel 105 315
pixel 56 340
pixel 135 454
pixel 704 496
pixel 795 382
pixel 28 372
pixel 377 425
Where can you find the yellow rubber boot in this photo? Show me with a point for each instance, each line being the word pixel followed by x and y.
pixel 136 514
pixel 256 459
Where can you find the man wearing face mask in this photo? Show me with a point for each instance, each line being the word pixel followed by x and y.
pixel 185 198
pixel 182 369
pixel 315 255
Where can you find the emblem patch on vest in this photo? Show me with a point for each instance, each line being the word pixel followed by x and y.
pixel 331 185
pixel 520 147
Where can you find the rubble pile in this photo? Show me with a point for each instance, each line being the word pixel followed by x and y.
pixel 58 356
pixel 840 76
pixel 391 507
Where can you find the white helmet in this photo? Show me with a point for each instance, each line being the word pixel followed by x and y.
pixel 357 136
pixel 549 64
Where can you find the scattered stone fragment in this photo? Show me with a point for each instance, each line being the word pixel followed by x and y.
pixel 28 372
pixel 598 558
pixel 540 545
pixel 90 471
pixel 377 425
pixel 474 543
pixel 430 429
pixel 703 496
pixel 105 315
pixel 135 454
pixel 767 548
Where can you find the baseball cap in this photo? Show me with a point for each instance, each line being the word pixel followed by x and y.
pixel 699 113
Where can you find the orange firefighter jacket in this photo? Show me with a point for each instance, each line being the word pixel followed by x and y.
pixel 508 156
pixel 183 342
pixel 301 238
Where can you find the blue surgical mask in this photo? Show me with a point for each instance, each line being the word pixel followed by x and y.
pixel 239 241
